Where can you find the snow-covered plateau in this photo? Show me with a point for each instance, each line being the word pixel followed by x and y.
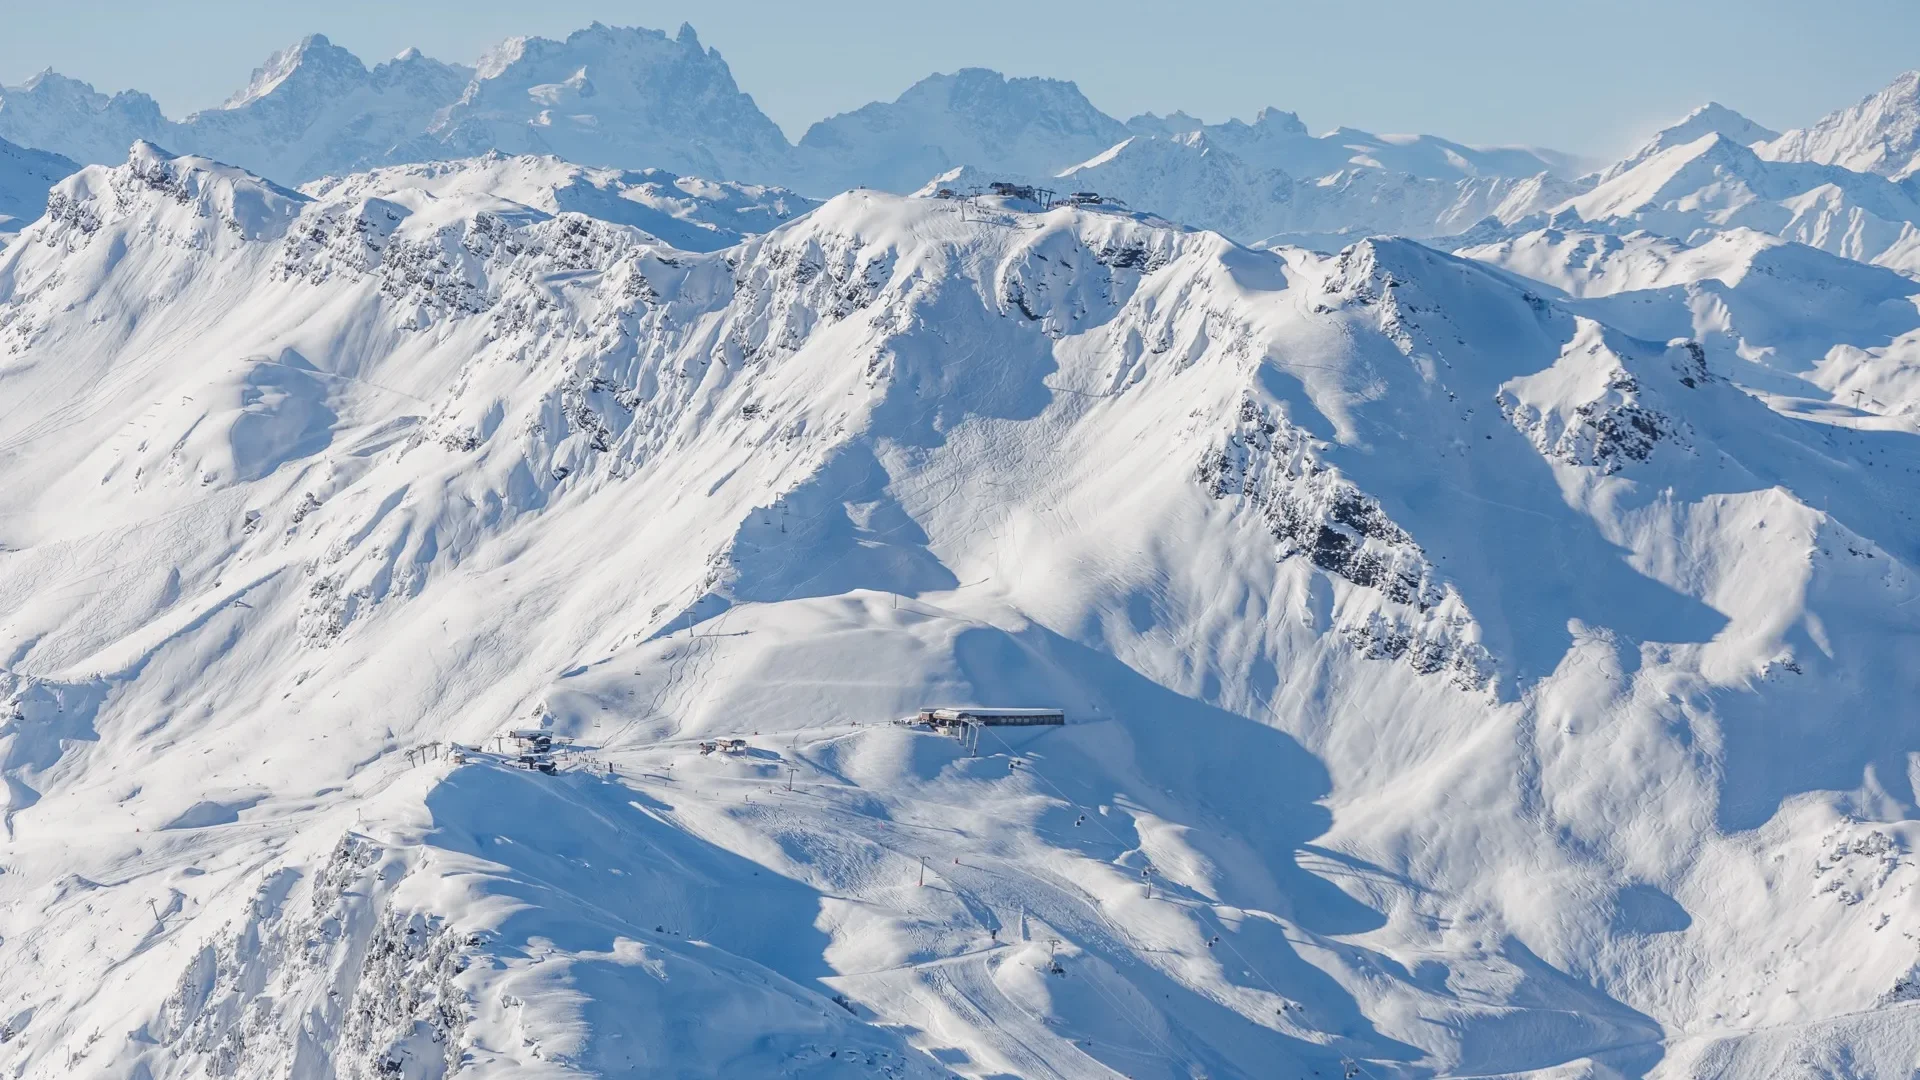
pixel 467 598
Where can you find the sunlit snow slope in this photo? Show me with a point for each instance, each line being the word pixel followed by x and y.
pixel 1459 684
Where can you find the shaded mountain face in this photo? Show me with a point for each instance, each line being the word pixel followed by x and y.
pixel 1464 676
pixel 25 178
pixel 315 110
pixel 68 117
pixel 972 117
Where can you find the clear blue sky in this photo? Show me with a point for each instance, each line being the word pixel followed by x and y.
pixel 1584 77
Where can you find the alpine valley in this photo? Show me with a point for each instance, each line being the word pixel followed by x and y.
pixel 1481 587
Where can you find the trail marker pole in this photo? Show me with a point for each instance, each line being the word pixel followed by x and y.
pixel 923 871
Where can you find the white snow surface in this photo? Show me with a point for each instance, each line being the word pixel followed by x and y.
pixel 684 211
pixel 1880 134
pixel 1712 118
pixel 1694 191
pixel 1468 675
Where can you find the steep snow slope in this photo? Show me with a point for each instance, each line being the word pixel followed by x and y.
pixel 315 109
pixel 626 97
pixel 1479 683
pixel 1880 134
pixel 687 212
pixel 971 117
pixel 1279 140
pixel 25 177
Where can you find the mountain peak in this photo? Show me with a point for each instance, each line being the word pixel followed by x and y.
pixel 313 59
pixel 612 96
pixel 1712 118
pixel 1879 134
pixel 1025 125
pixel 1173 123
pixel 50 83
pixel 1279 121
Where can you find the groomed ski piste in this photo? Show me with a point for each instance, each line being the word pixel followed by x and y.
pixel 1464 677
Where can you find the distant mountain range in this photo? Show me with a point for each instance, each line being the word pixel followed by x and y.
pixel 637 99
pixel 634 98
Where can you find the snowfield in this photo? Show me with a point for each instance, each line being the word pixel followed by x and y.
pixel 1496 662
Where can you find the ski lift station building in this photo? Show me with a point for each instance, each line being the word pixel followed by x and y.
pixel 959 715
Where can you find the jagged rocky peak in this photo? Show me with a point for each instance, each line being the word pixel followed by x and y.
pixel 440 81
pixel 1173 123
pixel 611 96
pixel 69 117
pixel 1880 134
pixel 313 69
pixel 314 109
pixel 314 62
pixel 1269 120
pixel 993 100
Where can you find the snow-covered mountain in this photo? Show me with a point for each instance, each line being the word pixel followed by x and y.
pixel 316 110
pixel 972 117
pixel 1712 118
pixel 25 178
pixel 1190 179
pixel 1280 140
pixel 68 117
pixel 1881 134
pixel 1695 191
pixel 1461 680
pixel 610 96
pixel 1807 329
pixel 686 212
